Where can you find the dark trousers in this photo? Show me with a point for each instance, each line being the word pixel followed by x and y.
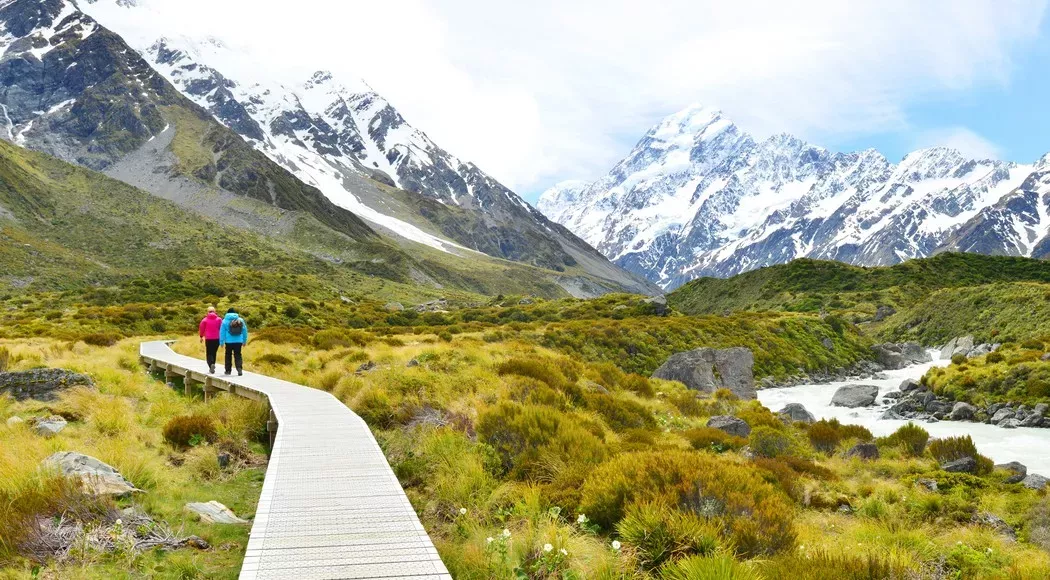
pixel 211 346
pixel 233 352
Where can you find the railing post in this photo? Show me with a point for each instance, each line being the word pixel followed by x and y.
pixel 271 428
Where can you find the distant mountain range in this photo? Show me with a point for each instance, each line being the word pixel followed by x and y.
pixel 195 122
pixel 698 196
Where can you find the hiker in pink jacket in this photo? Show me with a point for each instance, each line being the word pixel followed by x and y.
pixel 209 332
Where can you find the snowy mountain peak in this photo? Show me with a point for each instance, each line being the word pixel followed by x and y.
pixel 699 197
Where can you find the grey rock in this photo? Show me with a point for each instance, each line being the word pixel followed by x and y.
pixel 412 363
pixel 730 425
pixel 996 523
pixel 1045 357
pixel 41 384
pixel 893 355
pixel 853 396
pixel 1032 420
pixel 963 344
pixel 1040 409
pixel 883 312
pixel 213 512
pixel 796 413
pixel 1002 415
pixel 223 459
pixel 964 465
pixel 14 421
pixel 98 478
pixel 924 398
pixel 938 406
pixel 929 484
pixel 979 350
pixel 828 343
pixel 1033 481
pixel 1018 471
pixel 50 426
pixel 365 367
pixel 1010 424
pixel 893 395
pixel 960 350
pixel 394 307
pixel 710 369
pixel 909 385
pixel 864 451
pixel 962 412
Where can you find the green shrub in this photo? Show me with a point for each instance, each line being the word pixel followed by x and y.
pixel 528 437
pixel 281 335
pixel 958 359
pixel 994 357
pixel 752 514
pixel 659 533
pixel 5 358
pixel 711 439
pixel 954 448
pixel 756 415
pixel 100 339
pixel 537 369
pixel 331 338
pixel 721 566
pixel 779 474
pixel 620 414
pixel 911 439
pixel 822 565
pixel 274 359
pixel 376 408
pixel 825 435
pixel 768 442
pixel 184 430
pixel 638 384
pixel 1032 344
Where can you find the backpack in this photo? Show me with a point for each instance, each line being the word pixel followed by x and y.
pixel 236 327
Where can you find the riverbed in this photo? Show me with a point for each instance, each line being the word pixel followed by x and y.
pixel 1025 444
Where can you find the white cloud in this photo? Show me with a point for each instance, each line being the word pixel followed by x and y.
pixel 966 141
pixel 534 92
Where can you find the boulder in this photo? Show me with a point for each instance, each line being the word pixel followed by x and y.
pixel 897 355
pixel 1032 420
pixel 41 384
pixel 1040 409
pixel 393 307
pixel 659 303
pixel 1033 481
pixel 98 478
pixel 964 465
pixel 710 369
pixel 796 413
pixel 929 484
pixel 214 512
pixel 1017 470
pixel 1045 357
pixel 864 451
pixel 962 412
pixel 962 344
pixel 49 426
pixel 14 421
pixel 909 385
pixel 413 362
pixel 1002 415
pixel 979 350
pixel 884 312
pixel 1010 424
pixel 367 366
pixel 938 406
pixel 853 396
pixel 996 523
pixel 730 425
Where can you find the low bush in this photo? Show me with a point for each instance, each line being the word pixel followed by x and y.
pixel 187 430
pixel 100 339
pixel 529 437
pixel 994 357
pixel 1032 344
pixel 720 566
pixel 43 495
pixel 660 533
pixel 275 359
pixel 331 338
pixel 768 442
pixel 825 435
pixel 779 474
pixel 756 415
pixel 538 369
pixel 281 335
pixel 751 514
pixel 376 408
pixel 5 358
pixel 823 565
pixel 910 438
pixel 711 439
pixel 958 359
pixel 954 448
pixel 638 384
pixel 620 414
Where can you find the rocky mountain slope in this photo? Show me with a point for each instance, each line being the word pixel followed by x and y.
pixel 698 196
pixel 352 144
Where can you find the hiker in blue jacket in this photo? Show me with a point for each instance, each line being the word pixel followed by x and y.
pixel 233 334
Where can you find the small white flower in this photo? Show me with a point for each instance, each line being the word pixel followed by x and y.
pixel 581 519
pixel 488 540
pixel 564 552
pixel 547 547
pixel 118 522
pixel 506 533
pixel 616 544
pixel 462 511
pixel 990 550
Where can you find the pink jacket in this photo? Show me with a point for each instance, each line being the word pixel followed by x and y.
pixel 210 326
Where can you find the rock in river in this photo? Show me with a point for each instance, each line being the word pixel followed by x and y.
pixel 710 369
pixel 853 396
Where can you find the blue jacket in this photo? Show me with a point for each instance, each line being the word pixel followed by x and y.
pixel 224 331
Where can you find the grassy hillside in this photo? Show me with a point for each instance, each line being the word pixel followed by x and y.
pixel 810 285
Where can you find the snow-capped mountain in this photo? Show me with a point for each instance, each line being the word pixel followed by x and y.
pixel 345 139
pixel 697 196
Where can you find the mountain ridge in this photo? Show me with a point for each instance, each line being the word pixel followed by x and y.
pixel 697 196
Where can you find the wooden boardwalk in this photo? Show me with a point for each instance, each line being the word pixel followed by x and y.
pixel 331 506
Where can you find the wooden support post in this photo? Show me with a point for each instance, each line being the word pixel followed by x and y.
pixel 271 428
pixel 209 391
